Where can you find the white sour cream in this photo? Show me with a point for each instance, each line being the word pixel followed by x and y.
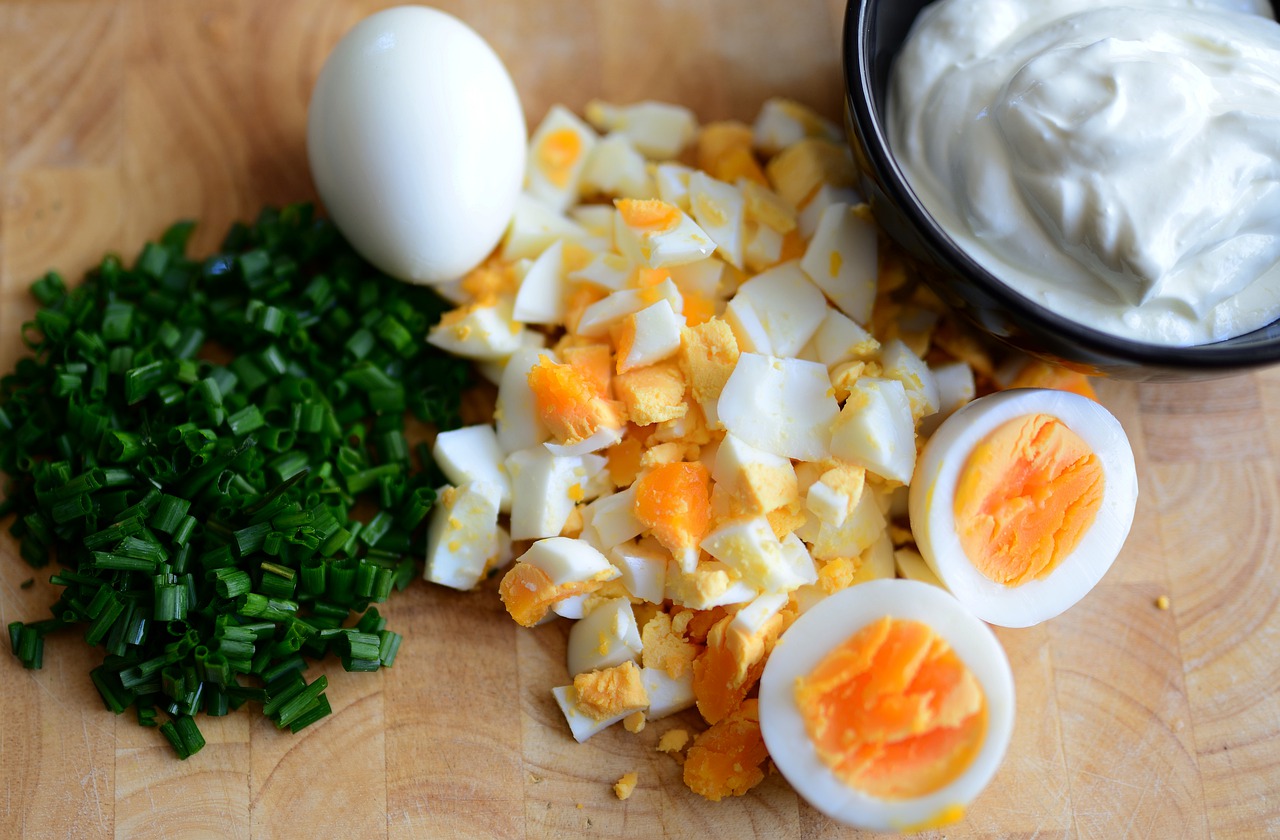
pixel 1117 162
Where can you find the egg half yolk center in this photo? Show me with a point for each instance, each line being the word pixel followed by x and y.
pixel 893 711
pixel 1027 495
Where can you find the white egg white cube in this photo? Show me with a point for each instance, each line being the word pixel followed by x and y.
pixel 572 607
pixel 642 568
pixel 516 417
pixel 492 369
pixel 912 566
pixel 601 438
pixel 701 278
pixel 842 260
pixel 767 207
pixel 615 169
pixel 660 130
pixel 858 532
pixel 955 386
pixel 684 242
pixel 535 226
pixel 462 535
pixel 719 209
pixel 601 316
pixel 762 246
pixel 783 406
pixel 545 488
pixel 581 723
pixel 597 220
pixel 476 331
pixel 876 429
pixel 605 636
pixel 790 307
pixel 748 326
pixel 610 520
pixel 783 122
pixel 667 694
pixel 840 339
pixel 559 150
pixel 566 560
pixel 540 299
pixel 472 453
pixel 898 362
pixel 827 195
pixel 656 331
pixel 750 547
pixel 752 618
pixel 672 180
pixel 606 270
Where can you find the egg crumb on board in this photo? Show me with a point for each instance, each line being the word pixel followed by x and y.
pixel 625 786
pixel 710 422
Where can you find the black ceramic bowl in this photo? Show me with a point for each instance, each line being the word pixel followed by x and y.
pixel 874 32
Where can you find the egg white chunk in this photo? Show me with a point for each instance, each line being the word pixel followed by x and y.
pixel 483 332
pixel 842 260
pixel 672 180
pixel 658 129
pixel 581 724
pixel 898 362
pixel 462 535
pixel 516 417
pixel 540 299
pixel 827 195
pixel 600 316
pixel 642 569
pixel 790 308
pixel 830 622
pixel 543 489
pixel 472 454
pixel 557 185
pixel 876 430
pixel 610 520
pixel 656 335
pixel 667 694
pixel 783 406
pixel 606 636
pixel 932 505
pixel 535 226
pixel 616 169
pixel 686 242
pixel 718 208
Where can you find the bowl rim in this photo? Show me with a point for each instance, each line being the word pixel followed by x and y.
pixel 869 124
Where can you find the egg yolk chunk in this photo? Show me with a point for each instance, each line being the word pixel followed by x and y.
pixel 648 214
pixel 674 501
pixel 893 711
pixel 568 402
pixel 557 155
pixel 1027 495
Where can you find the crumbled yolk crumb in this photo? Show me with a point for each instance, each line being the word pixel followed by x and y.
pixel 728 759
pixel 634 722
pixel 1026 496
pixel 1162 603
pixel 624 786
pixel 664 648
pixel 893 711
pixel 673 740
pixel 653 393
pixel 730 665
pixel 611 691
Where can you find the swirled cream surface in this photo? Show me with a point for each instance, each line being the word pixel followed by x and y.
pixel 1117 162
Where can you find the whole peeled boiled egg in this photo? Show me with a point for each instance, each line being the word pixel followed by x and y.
pixel 888 706
pixel 416 142
pixel 1021 500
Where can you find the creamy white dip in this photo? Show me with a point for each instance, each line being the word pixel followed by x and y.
pixel 1117 162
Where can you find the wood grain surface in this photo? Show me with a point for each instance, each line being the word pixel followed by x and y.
pixel 119 116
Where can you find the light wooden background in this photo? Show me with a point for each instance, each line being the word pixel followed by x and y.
pixel 119 117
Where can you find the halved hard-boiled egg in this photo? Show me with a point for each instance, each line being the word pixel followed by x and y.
pixel 1021 500
pixel 888 706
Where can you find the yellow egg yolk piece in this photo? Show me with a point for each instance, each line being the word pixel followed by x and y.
pixel 728 759
pixel 528 592
pixel 568 401
pixel 674 501
pixel 1028 493
pixel 648 214
pixel 558 153
pixel 893 711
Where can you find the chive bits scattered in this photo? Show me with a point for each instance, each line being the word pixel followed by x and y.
pixel 215 453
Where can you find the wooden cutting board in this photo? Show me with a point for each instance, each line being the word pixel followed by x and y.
pixel 120 116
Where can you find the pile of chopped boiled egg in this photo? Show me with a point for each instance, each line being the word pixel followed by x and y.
pixel 713 379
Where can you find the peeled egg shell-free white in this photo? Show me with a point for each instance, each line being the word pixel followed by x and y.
pixel 830 622
pixel 416 142
pixel 932 504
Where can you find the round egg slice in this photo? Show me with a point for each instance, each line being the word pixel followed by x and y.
pixel 888 706
pixel 1021 501
pixel 416 140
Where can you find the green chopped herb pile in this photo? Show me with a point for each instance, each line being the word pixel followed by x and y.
pixel 215 453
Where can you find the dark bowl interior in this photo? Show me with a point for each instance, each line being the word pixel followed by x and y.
pixel 874 32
